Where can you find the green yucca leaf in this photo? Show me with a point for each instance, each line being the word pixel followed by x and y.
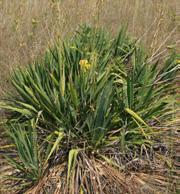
pixel 73 92
pixel 25 140
pixel 54 80
pixel 14 163
pixel 136 116
pixel 22 92
pixel 62 80
pixel 26 105
pixel 72 157
pixel 130 92
pixel 141 128
pixel 13 108
pixel 55 145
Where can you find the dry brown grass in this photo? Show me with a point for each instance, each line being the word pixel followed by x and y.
pixel 105 179
pixel 28 26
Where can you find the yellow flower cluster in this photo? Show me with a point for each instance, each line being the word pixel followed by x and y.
pixel 84 64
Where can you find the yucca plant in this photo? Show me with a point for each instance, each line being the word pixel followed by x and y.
pixel 92 97
pixel 26 159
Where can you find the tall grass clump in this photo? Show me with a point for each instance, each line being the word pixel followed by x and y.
pixel 90 110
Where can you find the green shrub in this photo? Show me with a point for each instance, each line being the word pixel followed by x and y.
pixel 90 93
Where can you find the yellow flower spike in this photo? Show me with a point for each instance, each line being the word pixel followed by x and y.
pixel 84 64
